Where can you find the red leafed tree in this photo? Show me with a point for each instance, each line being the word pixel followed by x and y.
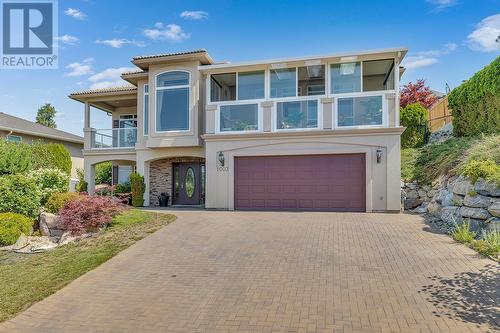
pixel 417 93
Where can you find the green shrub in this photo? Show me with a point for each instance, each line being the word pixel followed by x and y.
pixel 475 104
pixel 463 234
pixel 51 156
pixel 82 185
pixel 414 118
pixel 137 189
pixel 19 194
pixel 103 173
pixel 57 201
pixel 486 169
pixel 492 240
pixel 12 225
pixel 15 157
pixel 123 188
pixel 50 181
pixel 409 158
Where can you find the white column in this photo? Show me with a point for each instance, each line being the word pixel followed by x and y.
pixel 86 115
pixel 396 88
pixel 142 168
pixel 89 176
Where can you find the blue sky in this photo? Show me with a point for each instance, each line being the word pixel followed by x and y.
pixel 448 41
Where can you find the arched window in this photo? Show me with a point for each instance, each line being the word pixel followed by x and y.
pixel 172 101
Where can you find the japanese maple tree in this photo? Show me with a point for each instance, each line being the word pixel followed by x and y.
pixel 417 93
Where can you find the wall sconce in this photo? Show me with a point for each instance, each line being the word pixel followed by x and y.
pixel 379 155
pixel 220 158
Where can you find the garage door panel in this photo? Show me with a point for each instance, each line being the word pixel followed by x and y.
pixel 305 182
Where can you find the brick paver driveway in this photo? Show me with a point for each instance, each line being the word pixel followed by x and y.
pixel 280 272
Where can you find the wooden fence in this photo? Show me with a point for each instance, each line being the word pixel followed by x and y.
pixel 439 115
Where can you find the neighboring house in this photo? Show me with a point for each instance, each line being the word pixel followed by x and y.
pixel 309 133
pixel 21 130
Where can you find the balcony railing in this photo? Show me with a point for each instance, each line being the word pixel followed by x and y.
pixel 114 138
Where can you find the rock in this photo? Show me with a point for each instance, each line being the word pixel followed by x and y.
pixel 458 200
pixel 494 209
pixel 67 238
pixel 426 188
pixel 462 186
pixel 450 215
pixel 493 224
pixel 42 244
pixel 422 193
pixel 422 209
pixel 444 197
pixel 477 225
pixel 411 203
pixel 431 193
pixel 411 186
pixel 477 201
pixel 485 188
pixel 412 194
pixel 434 209
pixel 475 213
pixel 21 242
pixel 46 222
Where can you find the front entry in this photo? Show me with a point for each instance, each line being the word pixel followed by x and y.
pixel 188 183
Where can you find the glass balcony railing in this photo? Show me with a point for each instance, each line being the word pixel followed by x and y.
pixel 114 138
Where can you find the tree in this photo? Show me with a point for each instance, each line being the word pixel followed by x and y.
pixel 46 116
pixel 417 93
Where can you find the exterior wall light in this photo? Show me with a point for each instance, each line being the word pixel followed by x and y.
pixel 220 158
pixel 379 155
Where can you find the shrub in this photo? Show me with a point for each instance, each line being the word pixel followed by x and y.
pixel 475 103
pixel 414 118
pixel 463 234
pixel 123 188
pixel 51 156
pixel 15 157
pixel 103 173
pixel 19 194
pixel 88 214
pixel 57 201
pixel 104 191
pixel 50 181
pixel 12 225
pixel 492 240
pixel 137 189
pixel 486 169
pixel 82 185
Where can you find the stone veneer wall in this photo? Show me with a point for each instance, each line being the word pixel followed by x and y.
pixel 160 177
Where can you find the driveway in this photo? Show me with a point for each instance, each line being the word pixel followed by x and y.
pixel 280 272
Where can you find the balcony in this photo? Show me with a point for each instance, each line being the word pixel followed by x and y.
pixel 115 138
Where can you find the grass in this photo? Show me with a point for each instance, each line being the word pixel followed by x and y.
pixel 28 278
pixel 450 157
pixel 488 246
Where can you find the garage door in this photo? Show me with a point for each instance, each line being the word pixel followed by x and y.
pixel 305 182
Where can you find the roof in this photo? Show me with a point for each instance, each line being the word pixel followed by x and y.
pixel 105 90
pixel 20 125
pixel 200 55
pixel 161 55
pixel 400 50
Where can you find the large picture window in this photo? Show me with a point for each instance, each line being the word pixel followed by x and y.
pixel 239 117
pixel 172 101
pixel 345 78
pixel 298 81
pixel 283 82
pixel 360 111
pixel 237 86
pixel 378 75
pixel 297 114
pixel 251 85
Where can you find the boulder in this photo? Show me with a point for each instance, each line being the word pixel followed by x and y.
pixel 450 215
pixel 411 186
pixel 477 201
pixel 474 213
pixel 422 209
pixel 493 224
pixel 411 203
pixel 494 209
pixel 67 238
pixel 431 193
pixel 412 194
pixel 458 200
pixel 486 188
pixel 444 197
pixel 422 193
pixel 462 186
pixel 21 243
pixel 434 209
pixel 46 222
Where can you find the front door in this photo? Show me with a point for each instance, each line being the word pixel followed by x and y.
pixel 187 189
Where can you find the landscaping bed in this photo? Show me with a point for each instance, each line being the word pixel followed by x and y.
pixel 27 279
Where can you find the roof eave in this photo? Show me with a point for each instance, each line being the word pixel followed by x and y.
pixel 145 62
pixel 42 135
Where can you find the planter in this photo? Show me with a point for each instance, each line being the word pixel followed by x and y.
pixel 163 199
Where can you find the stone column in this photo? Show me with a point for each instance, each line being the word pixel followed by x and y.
pixel 327 109
pixel 267 115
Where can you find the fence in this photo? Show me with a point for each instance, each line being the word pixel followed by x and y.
pixel 439 115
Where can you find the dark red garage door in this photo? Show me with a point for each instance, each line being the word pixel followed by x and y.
pixel 305 182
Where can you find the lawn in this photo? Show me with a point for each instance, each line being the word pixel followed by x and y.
pixel 28 278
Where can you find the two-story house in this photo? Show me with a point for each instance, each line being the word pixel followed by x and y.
pixel 309 133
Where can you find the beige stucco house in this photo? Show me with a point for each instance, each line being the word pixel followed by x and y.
pixel 307 133
pixel 21 130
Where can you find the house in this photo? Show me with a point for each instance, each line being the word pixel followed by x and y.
pixel 21 130
pixel 307 133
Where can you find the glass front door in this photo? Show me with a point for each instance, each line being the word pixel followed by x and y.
pixel 188 184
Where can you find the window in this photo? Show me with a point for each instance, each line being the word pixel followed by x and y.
pixel 223 87
pixel 378 75
pixel 345 78
pixel 251 85
pixel 360 111
pixel 172 101
pixel 283 82
pixel 124 172
pixel 299 114
pixel 146 109
pixel 239 117
pixel 14 138
pixel 311 80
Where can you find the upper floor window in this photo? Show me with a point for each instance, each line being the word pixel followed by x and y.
pixel 378 75
pixel 237 86
pixel 374 75
pixel 146 109
pixel 298 81
pixel 345 78
pixel 172 101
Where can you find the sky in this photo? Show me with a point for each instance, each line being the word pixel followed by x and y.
pixel 448 41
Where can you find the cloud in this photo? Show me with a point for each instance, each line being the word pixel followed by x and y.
pixel 110 77
pixel 119 42
pixel 442 4
pixel 75 13
pixel 80 68
pixel 484 38
pixel 194 15
pixel 428 58
pixel 67 39
pixel 170 32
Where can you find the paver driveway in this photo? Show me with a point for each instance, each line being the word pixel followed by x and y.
pixel 283 272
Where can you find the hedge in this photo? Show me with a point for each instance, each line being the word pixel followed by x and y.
pixel 51 156
pixel 414 118
pixel 475 104
pixel 15 157
pixel 12 225
pixel 137 187
pixel 19 194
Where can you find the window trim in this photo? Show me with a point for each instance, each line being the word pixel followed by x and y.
pixel 144 124
pixel 14 136
pixel 385 115
pixel 260 123
pixel 172 88
pixel 274 114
